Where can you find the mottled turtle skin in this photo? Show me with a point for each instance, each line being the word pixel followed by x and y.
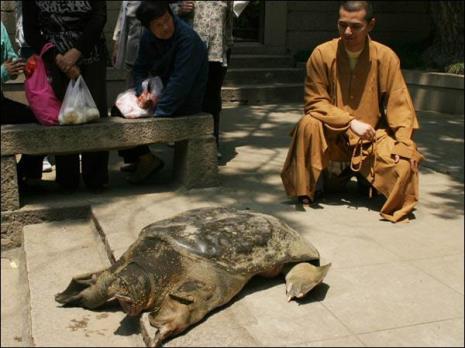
pixel 181 268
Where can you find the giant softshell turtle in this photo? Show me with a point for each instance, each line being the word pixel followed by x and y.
pixel 181 268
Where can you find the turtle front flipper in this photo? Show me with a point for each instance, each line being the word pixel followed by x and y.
pixel 87 290
pixel 302 278
pixel 182 307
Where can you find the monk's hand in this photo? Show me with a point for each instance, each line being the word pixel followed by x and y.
pixel 362 129
pixel 186 6
pixel 414 165
pixel 413 162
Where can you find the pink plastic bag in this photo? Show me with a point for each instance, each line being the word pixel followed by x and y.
pixel 39 92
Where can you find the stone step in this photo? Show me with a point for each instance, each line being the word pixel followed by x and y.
pixel 261 61
pixel 55 252
pixel 223 328
pixel 247 94
pixel 257 94
pixel 15 323
pixel 236 77
pixel 256 48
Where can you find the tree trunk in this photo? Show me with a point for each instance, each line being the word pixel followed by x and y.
pixel 448 41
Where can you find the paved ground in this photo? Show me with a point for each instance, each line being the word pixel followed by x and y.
pixel 390 284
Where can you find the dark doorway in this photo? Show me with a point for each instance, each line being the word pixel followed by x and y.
pixel 249 27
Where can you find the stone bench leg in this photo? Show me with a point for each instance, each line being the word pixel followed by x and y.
pixel 195 162
pixel 9 189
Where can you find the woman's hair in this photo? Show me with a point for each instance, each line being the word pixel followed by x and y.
pixel 150 10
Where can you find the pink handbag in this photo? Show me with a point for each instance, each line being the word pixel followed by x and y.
pixel 39 92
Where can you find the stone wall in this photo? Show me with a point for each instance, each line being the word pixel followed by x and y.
pixel 313 22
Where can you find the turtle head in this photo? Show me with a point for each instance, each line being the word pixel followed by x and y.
pixel 88 290
pixel 132 289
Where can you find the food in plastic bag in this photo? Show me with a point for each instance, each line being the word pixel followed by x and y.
pixel 127 102
pixel 78 105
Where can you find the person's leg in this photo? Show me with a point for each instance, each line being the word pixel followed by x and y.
pixel 67 166
pixel 12 112
pixel 131 155
pixel 212 100
pixel 147 165
pixel 95 169
pixel 95 164
pixel 306 159
pixel 67 171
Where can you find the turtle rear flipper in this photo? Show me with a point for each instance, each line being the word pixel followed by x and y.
pixel 303 277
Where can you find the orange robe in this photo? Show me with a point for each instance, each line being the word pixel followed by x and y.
pixel 374 92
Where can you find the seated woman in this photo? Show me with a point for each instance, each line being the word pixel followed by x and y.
pixel 171 49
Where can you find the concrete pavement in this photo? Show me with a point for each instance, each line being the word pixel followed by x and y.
pixel 390 284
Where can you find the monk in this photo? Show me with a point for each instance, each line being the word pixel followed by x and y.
pixel 357 111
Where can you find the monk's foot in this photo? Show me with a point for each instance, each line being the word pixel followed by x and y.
pixel 304 200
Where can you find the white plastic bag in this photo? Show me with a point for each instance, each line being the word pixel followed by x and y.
pixel 78 105
pixel 239 6
pixel 126 102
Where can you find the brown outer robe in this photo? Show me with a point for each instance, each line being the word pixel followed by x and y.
pixel 374 92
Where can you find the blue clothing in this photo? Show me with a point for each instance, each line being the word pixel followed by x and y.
pixel 7 53
pixel 182 64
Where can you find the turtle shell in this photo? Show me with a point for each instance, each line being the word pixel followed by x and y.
pixel 239 241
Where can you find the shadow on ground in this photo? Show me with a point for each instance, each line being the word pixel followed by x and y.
pixel 254 145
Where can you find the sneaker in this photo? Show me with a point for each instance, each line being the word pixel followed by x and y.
pixel 219 155
pixel 46 166
pixel 146 166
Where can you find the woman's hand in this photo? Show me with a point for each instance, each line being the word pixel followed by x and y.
pixel 14 68
pixel 66 61
pixel 145 101
pixel 73 73
pixel 186 6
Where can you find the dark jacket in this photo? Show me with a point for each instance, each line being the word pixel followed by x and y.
pixel 66 24
pixel 182 64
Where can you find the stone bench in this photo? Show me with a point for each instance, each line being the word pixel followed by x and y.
pixel 195 161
